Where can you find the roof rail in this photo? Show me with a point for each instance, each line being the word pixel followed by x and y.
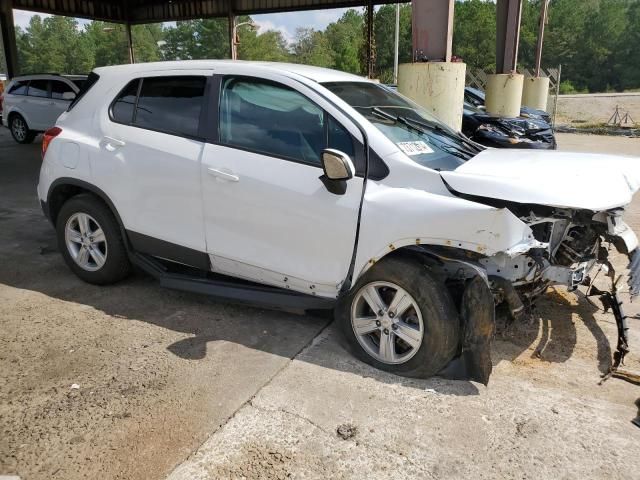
pixel 38 73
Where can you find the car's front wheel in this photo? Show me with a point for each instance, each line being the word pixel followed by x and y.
pixel 90 240
pixel 20 130
pixel 399 318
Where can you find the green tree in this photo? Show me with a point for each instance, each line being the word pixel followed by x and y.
pixel 53 45
pixel 269 46
pixel 474 33
pixel 196 39
pixel 384 31
pixel 345 40
pixel 312 47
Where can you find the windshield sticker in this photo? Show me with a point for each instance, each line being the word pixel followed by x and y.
pixel 414 148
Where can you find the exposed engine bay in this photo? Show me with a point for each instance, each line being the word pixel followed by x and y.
pixel 572 248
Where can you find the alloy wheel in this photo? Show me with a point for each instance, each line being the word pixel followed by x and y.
pixel 387 322
pixel 19 129
pixel 85 241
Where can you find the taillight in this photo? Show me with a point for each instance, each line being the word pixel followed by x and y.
pixel 49 135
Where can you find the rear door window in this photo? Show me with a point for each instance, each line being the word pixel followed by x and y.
pixel 18 88
pixel 171 104
pixel 38 88
pixel 58 89
pixel 164 104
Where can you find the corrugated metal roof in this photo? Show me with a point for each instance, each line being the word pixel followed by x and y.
pixel 146 11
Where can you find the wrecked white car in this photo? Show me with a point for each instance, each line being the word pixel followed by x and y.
pixel 299 187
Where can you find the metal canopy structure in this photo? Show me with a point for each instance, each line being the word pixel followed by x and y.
pixel 432 20
pixel 150 11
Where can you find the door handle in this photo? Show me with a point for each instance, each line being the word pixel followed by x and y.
pixel 111 143
pixel 223 175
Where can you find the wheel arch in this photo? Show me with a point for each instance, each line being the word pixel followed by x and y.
pixel 62 189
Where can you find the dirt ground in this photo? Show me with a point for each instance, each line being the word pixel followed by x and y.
pixel 180 385
pixel 595 107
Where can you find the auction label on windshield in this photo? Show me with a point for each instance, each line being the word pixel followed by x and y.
pixel 414 148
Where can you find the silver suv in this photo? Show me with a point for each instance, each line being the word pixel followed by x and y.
pixel 33 103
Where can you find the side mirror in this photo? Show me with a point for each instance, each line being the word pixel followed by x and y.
pixel 338 168
pixel 68 96
pixel 337 165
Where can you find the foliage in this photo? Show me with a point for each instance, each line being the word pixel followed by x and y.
pixel 311 47
pixel 596 41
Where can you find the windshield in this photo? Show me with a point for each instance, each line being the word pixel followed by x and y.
pixel 421 136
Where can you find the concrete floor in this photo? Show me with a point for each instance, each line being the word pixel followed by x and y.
pixel 178 384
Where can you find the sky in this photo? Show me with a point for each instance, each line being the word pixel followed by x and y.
pixel 285 22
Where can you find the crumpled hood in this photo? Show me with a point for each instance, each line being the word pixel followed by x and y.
pixel 559 179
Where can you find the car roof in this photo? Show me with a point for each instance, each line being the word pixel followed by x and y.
pixel 317 74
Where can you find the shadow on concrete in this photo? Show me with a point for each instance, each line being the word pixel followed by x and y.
pixel 29 260
pixel 550 331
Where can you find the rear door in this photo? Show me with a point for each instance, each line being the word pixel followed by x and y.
pixel 37 105
pixel 150 153
pixel 268 216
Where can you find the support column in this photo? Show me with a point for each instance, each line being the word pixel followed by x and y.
pixel 370 41
pixel 504 89
pixel 233 47
pixel 8 38
pixel 432 80
pixel 536 89
pixel 132 58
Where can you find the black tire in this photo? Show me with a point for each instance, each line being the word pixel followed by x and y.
pixel 116 266
pixel 441 338
pixel 15 122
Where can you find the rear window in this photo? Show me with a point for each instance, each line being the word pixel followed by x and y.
pixel 86 86
pixel 165 104
pixel 18 88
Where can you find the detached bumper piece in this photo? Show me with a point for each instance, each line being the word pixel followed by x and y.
pixel 478 328
pixel 610 301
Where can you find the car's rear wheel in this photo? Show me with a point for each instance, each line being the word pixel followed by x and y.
pixel 20 130
pixel 399 318
pixel 91 242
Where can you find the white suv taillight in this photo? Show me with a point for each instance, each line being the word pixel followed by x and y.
pixel 49 135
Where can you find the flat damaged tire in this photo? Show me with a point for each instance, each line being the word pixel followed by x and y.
pixel 401 319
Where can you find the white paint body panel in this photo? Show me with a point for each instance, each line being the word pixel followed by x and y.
pixel 560 179
pixel 277 224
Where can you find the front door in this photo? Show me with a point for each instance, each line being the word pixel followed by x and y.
pixel 268 216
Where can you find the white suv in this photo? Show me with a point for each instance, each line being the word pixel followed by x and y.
pixel 301 187
pixel 33 103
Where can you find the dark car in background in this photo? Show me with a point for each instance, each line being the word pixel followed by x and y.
pixel 530 131
pixel 520 132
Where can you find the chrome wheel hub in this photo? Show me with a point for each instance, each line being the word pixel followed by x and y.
pixel 19 129
pixel 387 322
pixel 85 242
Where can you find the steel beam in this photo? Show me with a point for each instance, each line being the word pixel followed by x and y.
pixel 432 23
pixel 8 38
pixel 132 57
pixel 370 40
pixel 508 16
